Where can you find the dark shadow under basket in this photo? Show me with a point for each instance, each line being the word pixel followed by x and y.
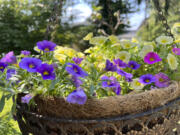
pixel 155 112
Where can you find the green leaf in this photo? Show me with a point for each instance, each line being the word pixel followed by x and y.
pixel 114 39
pixel 13 108
pixel 175 76
pixel 53 83
pixel 98 40
pixel 92 88
pixel 88 36
pixel 2 102
pixel 8 96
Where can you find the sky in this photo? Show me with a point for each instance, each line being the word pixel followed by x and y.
pixel 82 11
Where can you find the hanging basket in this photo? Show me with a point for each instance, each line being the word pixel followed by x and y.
pixel 147 113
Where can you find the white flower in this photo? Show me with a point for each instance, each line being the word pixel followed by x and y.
pixel 146 49
pixel 172 61
pixel 164 40
pixel 136 85
pixel 124 56
pixel 126 44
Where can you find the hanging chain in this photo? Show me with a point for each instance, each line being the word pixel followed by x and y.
pixel 162 18
pixel 54 18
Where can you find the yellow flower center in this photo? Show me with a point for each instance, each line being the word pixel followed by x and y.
pixel 138 83
pixel 46 49
pixel 108 82
pixel 122 57
pixel 161 79
pixel 164 41
pixel 1 67
pixel 171 61
pixel 147 80
pixel 132 66
pixel 75 70
pixel 127 45
pixel 151 59
pixel 45 73
pixel 31 66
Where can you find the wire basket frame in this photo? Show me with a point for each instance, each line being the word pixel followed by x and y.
pixel 164 120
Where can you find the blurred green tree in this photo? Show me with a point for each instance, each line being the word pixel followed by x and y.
pixel 110 16
pixel 23 23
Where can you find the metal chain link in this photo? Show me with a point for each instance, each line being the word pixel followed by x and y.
pixel 54 18
pixel 162 18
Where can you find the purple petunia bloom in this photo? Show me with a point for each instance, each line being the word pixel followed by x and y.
pixel 9 73
pixel 30 64
pixel 77 97
pixel 75 70
pixel 111 82
pixel 77 82
pixel 47 71
pixel 46 46
pixel 120 63
pixel 9 58
pixel 176 51
pixel 3 66
pixel 117 89
pixel 110 66
pixel 147 79
pixel 152 58
pixel 25 53
pixel 133 65
pixel 128 76
pixel 26 98
pixel 77 60
pixel 162 80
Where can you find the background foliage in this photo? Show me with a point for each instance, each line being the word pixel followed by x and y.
pixel 152 26
pixel 22 23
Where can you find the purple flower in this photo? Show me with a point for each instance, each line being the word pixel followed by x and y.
pixel 46 46
pixel 47 71
pixel 9 73
pixel 162 80
pixel 133 65
pixel 152 58
pixel 30 64
pixel 77 60
pixel 75 70
pixel 3 66
pixel 77 82
pixel 117 89
pixel 128 76
pixel 25 53
pixel 26 98
pixel 147 79
pixel 120 63
pixel 77 97
pixel 110 66
pixel 111 82
pixel 9 58
pixel 176 51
